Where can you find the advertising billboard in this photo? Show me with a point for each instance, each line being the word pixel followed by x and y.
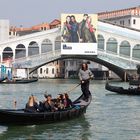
pixel 79 34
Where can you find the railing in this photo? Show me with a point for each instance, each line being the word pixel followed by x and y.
pixel 35 60
pixel 120 61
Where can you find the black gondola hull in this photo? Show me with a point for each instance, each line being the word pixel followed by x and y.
pixel 21 81
pixel 19 117
pixel 121 90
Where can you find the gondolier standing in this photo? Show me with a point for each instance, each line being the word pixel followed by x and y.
pixel 85 75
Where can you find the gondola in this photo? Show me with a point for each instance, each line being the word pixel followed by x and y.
pixel 121 90
pixel 19 81
pixel 20 117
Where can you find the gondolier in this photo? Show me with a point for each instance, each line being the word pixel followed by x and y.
pixel 85 75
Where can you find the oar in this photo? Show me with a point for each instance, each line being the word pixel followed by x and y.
pixel 73 88
pixel 111 94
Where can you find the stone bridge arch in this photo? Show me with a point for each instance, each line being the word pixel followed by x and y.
pixel 20 51
pixel 33 48
pixel 136 51
pixel 119 71
pixel 7 54
pixel 46 46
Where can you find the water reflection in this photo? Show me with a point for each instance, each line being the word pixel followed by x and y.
pixel 78 129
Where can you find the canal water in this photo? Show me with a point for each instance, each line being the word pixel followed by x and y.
pixel 108 117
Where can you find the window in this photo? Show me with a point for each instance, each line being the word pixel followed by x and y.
pixel 123 22
pixel 64 63
pixel 71 63
pixel 63 71
pixel 9 33
pixel 52 70
pixel 44 28
pixel 134 21
pixel 47 70
pixel 56 70
pixel 128 21
pixel 40 70
pixel 41 28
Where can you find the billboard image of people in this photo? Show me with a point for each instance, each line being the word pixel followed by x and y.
pixel 79 34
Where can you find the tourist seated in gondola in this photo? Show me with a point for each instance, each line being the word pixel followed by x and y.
pixel 67 101
pixel 60 102
pixel 49 104
pixel 32 105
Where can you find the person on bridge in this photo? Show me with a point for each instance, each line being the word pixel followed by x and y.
pixel 85 75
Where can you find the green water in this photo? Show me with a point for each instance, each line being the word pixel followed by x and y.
pixel 108 117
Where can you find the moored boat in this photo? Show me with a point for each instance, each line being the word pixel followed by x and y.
pixel 20 117
pixel 121 90
pixel 2 79
pixel 19 81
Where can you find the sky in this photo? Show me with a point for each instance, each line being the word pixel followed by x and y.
pixel 32 12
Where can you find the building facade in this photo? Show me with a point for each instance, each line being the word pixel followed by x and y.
pixel 54 69
pixel 129 17
pixel 4 29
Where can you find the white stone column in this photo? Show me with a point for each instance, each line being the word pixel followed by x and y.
pixel 14 51
pixel 1 55
pixel 106 37
pixel 53 46
pixel 39 45
pixel 26 47
pixel 118 48
pixel 131 50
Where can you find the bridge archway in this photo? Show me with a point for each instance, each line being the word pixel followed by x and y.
pixel 46 46
pixel 33 48
pixel 58 43
pixel 125 48
pixel 136 51
pixel 101 42
pixel 111 45
pixel 20 51
pixel 119 71
pixel 7 54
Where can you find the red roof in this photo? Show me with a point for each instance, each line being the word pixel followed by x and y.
pixel 55 22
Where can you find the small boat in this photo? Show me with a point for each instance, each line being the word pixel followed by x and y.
pixel 121 90
pixel 20 117
pixel 19 81
pixel 2 79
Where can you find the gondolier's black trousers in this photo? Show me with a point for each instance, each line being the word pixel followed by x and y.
pixel 85 88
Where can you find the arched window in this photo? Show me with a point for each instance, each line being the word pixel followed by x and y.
pixel 101 41
pixel 58 43
pixel 112 45
pixel 20 51
pixel 52 70
pixel 46 46
pixel 7 54
pixel 33 48
pixel 136 51
pixel 41 70
pixel 42 28
pixel 47 70
pixel 125 48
